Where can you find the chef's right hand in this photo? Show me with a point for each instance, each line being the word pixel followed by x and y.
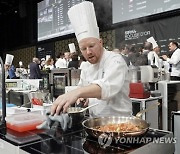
pixel 62 103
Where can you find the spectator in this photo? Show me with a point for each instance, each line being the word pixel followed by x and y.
pixel 34 69
pixel 9 68
pixel 174 61
pixel 74 63
pixel 49 64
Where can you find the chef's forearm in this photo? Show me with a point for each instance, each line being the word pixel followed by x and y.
pixel 90 91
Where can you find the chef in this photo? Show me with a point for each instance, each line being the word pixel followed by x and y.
pixel 74 63
pixel 105 78
pixel 153 56
pixel 174 61
pixel 9 68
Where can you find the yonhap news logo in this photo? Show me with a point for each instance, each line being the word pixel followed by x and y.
pixel 106 140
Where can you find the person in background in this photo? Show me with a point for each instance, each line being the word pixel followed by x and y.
pixel 59 60
pixel 74 63
pixel 34 69
pixel 139 59
pixel 105 78
pixel 11 71
pixel 21 72
pixel 153 56
pixel 49 64
pixel 82 62
pixel 42 63
pixel 174 61
pixel 117 51
pixel 136 58
pixel 126 50
pixel 147 48
pixel 67 59
pixel 63 62
pixel 9 68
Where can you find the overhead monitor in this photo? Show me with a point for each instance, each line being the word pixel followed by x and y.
pixel 124 10
pixel 53 20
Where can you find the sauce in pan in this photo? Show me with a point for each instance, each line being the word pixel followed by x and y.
pixel 123 127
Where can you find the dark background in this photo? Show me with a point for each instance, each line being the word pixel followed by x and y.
pixel 18 22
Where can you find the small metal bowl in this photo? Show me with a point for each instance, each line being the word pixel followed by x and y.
pixel 77 117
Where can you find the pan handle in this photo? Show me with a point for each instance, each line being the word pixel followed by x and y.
pixel 139 114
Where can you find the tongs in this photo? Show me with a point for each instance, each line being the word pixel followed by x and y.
pixel 84 109
pixel 140 113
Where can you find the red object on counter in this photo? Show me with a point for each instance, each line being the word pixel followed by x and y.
pixel 24 121
pixel 137 90
pixel 24 128
pixel 37 101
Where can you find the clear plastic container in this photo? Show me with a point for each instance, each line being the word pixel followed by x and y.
pixel 25 121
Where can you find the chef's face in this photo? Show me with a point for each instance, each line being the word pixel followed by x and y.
pixel 91 49
pixel 172 47
pixel 7 67
pixel 157 50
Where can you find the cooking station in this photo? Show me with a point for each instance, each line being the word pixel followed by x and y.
pixel 76 141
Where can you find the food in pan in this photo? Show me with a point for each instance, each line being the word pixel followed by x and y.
pixel 122 127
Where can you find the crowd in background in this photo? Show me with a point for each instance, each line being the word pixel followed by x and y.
pixel 66 60
pixel 150 54
pixel 136 55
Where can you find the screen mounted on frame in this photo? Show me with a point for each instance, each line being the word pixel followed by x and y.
pixel 53 20
pixel 124 10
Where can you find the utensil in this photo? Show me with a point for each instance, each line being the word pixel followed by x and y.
pixel 77 114
pixel 79 109
pixel 84 109
pixel 140 113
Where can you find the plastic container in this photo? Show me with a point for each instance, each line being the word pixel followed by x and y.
pixel 25 121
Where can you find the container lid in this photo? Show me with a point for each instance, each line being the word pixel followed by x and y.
pixel 25 118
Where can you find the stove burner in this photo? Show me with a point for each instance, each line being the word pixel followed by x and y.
pixel 122 145
pixel 77 141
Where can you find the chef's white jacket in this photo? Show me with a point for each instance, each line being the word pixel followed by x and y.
pixel 175 61
pixel 61 63
pixel 153 55
pixel 111 74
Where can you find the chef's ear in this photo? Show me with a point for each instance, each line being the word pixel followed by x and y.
pixel 101 41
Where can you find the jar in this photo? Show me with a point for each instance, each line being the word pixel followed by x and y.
pixel 134 74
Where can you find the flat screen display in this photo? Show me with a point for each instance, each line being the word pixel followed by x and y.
pixel 53 20
pixel 123 10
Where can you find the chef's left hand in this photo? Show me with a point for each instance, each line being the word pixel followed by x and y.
pixel 62 103
pixel 84 101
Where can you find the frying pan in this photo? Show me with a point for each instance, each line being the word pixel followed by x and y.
pixel 90 125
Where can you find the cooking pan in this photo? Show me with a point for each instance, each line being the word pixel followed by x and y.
pixel 91 125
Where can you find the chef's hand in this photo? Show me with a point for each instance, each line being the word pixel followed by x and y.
pixel 84 101
pixel 62 103
pixel 164 57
